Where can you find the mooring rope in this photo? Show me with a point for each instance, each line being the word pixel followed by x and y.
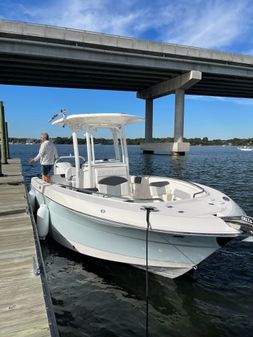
pixel 148 211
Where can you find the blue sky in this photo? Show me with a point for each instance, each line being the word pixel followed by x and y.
pixel 225 25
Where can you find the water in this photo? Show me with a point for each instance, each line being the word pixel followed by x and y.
pixel 105 299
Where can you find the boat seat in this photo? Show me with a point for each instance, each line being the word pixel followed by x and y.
pixel 161 189
pixel 114 185
pixel 62 167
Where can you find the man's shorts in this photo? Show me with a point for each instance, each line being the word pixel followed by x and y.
pixel 46 169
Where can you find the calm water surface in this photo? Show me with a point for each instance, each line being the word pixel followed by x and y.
pixel 99 298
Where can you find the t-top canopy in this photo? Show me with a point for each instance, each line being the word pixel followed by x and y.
pixel 97 120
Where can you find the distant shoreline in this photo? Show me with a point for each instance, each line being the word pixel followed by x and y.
pixel 138 141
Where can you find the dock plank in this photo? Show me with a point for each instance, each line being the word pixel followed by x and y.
pixel 22 305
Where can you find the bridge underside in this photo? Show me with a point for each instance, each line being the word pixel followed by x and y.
pixel 38 55
pixel 57 72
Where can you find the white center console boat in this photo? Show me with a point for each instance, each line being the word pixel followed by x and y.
pixel 95 207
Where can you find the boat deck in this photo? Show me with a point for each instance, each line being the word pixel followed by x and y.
pixel 22 306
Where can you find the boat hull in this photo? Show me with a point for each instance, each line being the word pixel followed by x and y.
pixel 169 255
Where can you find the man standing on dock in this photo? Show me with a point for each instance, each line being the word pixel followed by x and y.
pixel 47 156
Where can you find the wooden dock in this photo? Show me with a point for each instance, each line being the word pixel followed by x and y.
pixel 22 305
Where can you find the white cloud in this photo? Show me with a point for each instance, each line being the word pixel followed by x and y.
pixel 240 101
pixel 94 15
pixel 210 24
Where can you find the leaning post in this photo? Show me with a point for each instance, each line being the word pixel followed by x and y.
pixel 3 135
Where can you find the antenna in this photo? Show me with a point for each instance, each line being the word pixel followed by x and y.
pixel 62 112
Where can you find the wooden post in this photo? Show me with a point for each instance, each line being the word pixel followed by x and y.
pixel 3 135
pixel 7 141
pixel 1 172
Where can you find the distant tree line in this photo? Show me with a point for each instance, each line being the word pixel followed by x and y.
pixel 138 141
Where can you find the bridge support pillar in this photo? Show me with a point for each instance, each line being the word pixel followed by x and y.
pixel 179 147
pixel 148 125
pixel 176 85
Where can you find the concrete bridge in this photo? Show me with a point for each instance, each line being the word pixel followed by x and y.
pixel 40 55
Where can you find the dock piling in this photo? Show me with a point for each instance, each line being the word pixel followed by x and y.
pixel 7 141
pixel 3 135
pixel 1 172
